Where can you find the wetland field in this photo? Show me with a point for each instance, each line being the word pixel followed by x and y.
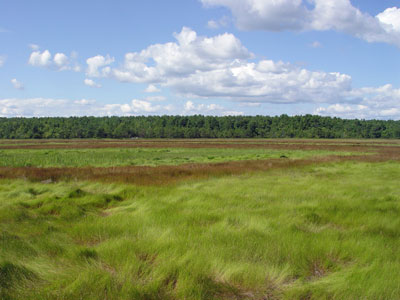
pixel 168 219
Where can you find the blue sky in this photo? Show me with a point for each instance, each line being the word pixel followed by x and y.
pixel 215 57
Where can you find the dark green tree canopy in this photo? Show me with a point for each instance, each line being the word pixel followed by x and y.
pixel 197 126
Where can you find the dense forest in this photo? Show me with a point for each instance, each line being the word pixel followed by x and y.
pixel 198 126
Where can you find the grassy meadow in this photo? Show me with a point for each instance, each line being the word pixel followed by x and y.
pixel 323 229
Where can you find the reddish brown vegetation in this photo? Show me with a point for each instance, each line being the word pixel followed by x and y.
pixel 169 174
pixel 295 144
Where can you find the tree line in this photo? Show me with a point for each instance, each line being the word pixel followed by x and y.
pixel 197 126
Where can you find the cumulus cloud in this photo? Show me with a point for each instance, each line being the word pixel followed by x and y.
pixel 190 53
pixel 221 66
pixel 40 59
pixel 91 83
pixel 390 18
pixel 144 106
pixel 2 60
pixel 17 85
pixel 302 15
pixel 60 61
pixel 265 81
pixel 97 65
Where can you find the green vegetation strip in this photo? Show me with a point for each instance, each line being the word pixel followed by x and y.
pixel 109 157
pixel 321 232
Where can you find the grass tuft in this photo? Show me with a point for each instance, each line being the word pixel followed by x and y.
pixel 77 193
pixel 13 276
pixel 88 254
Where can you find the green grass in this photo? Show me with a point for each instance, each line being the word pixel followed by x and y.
pixel 322 232
pixel 108 157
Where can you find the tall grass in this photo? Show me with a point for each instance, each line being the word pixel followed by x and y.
pixel 318 232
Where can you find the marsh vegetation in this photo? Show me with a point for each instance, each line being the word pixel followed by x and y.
pixel 322 224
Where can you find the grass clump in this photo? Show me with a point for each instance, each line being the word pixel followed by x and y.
pixel 77 193
pixel 88 254
pixel 12 277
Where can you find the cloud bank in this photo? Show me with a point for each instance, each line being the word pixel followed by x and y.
pixel 48 107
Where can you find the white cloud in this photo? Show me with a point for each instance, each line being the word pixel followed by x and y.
pixel 144 106
pixel 390 18
pixel 85 101
pixel 343 110
pixel 91 83
pixel 301 15
pixel 60 61
pixel 219 66
pixel 191 53
pixel 40 59
pixel 137 107
pixel 233 113
pixel 96 63
pixel 191 108
pixel 151 88
pixel 2 60
pixel 17 85
pixel 265 81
